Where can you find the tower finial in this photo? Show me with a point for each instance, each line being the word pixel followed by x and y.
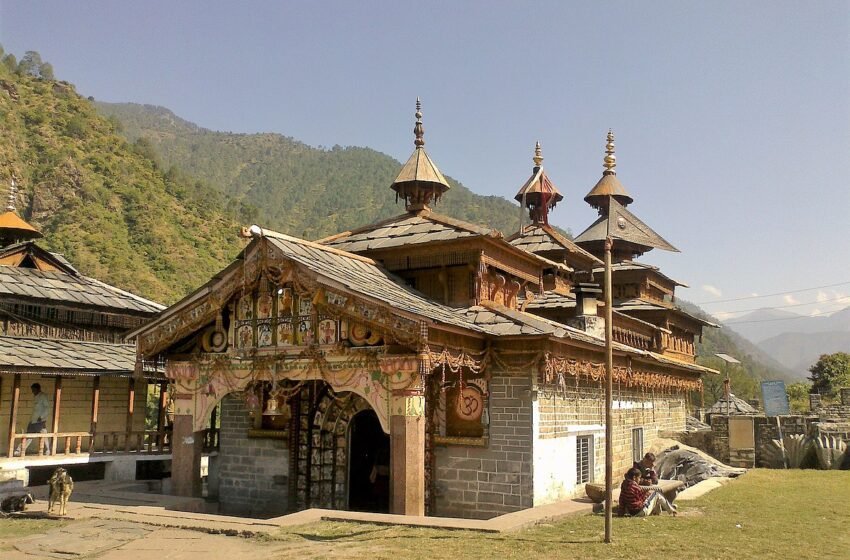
pixel 538 156
pixel 13 195
pixel 610 164
pixel 418 129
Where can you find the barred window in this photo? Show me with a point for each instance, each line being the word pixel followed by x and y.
pixel 637 444
pixel 584 459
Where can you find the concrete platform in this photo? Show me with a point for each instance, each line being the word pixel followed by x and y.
pixel 124 502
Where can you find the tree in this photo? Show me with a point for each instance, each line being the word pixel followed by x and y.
pixel 830 373
pixel 11 62
pixel 29 64
pixel 798 396
pixel 45 71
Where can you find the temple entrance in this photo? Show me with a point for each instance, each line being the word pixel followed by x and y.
pixel 319 445
pixel 369 464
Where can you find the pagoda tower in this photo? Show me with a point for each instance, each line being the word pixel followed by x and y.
pixel 419 182
pixel 631 236
pixel 12 228
pixel 538 195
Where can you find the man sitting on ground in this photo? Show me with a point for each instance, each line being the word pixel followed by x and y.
pixel 640 502
pixel 647 472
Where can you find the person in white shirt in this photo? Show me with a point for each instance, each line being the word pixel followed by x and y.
pixel 38 420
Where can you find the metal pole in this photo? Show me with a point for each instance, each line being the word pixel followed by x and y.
pixel 609 389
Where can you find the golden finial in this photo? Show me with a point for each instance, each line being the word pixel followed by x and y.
pixel 13 194
pixel 538 155
pixel 418 130
pixel 610 164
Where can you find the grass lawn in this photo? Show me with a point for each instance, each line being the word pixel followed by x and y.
pixel 764 514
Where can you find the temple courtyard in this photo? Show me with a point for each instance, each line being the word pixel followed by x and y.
pixel 764 514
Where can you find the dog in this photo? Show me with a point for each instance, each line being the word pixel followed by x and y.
pixel 61 486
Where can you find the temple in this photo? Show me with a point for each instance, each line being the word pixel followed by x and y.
pixel 64 331
pixel 423 365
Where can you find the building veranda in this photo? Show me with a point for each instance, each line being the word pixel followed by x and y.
pixel 422 365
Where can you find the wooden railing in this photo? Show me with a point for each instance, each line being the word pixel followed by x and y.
pixel 78 443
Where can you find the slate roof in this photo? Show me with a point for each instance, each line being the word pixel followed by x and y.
pixel 622 225
pixel 68 356
pixel 540 237
pixel 551 300
pixel 408 229
pixel 636 265
pixel 60 287
pixel 366 277
pixel 30 247
pixel 638 304
pixel 733 405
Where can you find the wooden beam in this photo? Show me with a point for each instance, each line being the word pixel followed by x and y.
pixel 95 407
pixel 131 402
pixel 57 403
pixel 13 415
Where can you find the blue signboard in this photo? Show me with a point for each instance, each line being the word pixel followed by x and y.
pixel 775 398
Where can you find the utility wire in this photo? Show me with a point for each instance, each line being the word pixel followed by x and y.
pixel 786 306
pixel 733 323
pixel 771 295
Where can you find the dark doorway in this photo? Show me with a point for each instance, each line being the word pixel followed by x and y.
pixel 369 465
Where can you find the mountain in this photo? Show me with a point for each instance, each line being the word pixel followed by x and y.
pixel 756 365
pixel 103 202
pixel 332 189
pixel 801 350
pixel 768 323
pixel 795 341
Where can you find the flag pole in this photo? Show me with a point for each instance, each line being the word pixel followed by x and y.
pixel 609 389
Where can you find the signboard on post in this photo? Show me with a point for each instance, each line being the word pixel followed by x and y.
pixel 775 398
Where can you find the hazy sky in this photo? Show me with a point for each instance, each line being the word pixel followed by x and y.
pixel 732 118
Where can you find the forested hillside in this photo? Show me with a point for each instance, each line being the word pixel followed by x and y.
pixel 101 201
pixel 295 188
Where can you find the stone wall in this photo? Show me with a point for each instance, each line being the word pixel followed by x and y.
pixel 75 408
pixel 482 482
pixel 530 458
pixel 564 414
pixel 253 473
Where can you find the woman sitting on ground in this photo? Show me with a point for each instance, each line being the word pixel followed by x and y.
pixel 640 502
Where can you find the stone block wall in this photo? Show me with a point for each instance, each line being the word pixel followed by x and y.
pixel 482 482
pixel 565 413
pixel 253 473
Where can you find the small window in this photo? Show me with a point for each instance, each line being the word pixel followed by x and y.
pixel 637 444
pixel 584 459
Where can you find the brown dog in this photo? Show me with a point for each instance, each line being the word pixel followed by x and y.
pixel 61 486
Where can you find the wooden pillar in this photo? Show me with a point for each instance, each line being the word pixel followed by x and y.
pixel 57 404
pixel 13 413
pixel 186 449
pixel 95 408
pixel 131 405
pixel 407 454
pixel 163 403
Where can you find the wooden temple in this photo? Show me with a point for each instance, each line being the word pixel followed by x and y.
pixel 421 364
pixel 64 331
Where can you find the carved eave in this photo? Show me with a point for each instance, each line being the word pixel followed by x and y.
pixel 330 295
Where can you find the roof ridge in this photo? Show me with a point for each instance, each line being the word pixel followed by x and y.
pixel 562 239
pixel 131 295
pixel 462 224
pixel 360 229
pixel 317 245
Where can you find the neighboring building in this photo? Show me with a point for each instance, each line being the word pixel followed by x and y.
pixel 64 331
pixel 417 365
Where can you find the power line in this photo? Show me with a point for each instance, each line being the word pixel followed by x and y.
pixel 771 295
pixel 786 306
pixel 733 323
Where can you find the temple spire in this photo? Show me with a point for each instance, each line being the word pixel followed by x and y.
pixel 610 160
pixel 12 228
pixel 538 156
pixel 608 185
pixel 418 129
pixel 13 194
pixel 538 195
pixel 419 182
